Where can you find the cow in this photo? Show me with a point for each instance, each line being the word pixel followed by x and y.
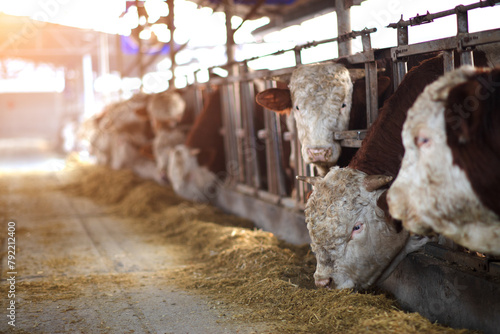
pixel 119 123
pixel 449 182
pixel 188 179
pixel 195 166
pixel 165 140
pixel 356 242
pixel 321 98
pixel 165 109
pixel 121 135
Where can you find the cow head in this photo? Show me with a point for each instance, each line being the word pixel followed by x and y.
pixel 353 238
pixel 320 98
pixel 181 163
pixel 449 129
pixel 164 141
pixel 165 109
pixel 188 178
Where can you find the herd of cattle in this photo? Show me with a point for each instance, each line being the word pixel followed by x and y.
pixel 430 163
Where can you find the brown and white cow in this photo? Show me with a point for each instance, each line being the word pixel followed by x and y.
pixel 165 109
pixel 194 167
pixel 188 179
pixel 449 182
pixel 119 128
pixel 320 98
pixel 165 140
pixel 356 241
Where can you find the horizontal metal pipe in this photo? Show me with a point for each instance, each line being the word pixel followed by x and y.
pixel 421 19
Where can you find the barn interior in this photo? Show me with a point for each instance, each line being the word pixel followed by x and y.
pixel 89 248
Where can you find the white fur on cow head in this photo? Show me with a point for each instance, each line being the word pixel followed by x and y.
pixel 322 98
pixel 166 107
pixel 352 240
pixel 164 141
pixel 431 193
pixel 187 177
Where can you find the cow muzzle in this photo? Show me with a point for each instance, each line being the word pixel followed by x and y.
pixel 319 154
pixel 324 282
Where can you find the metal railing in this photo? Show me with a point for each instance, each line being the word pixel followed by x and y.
pixel 242 135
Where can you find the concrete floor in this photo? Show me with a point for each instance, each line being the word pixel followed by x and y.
pixel 79 270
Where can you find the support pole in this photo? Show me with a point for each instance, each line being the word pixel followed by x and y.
pixel 139 46
pixel 171 27
pixel 228 9
pixel 343 27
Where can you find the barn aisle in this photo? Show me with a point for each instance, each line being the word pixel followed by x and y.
pixel 104 251
pixel 79 269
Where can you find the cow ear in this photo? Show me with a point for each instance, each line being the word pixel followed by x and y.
pixel 312 180
pixel 276 99
pixel 374 182
pixel 394 224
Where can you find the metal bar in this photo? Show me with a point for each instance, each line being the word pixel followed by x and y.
pixel 401 68
pixel 298 57
pixel 236 114
pixel 250 145
pixel 228 10
pixel 250 13
pixel 478 38
pixel 343 26
pixel 448 60
pixel 462 29
pixel 227 92
pixel 371 84
pixel 351 143
pixel 421 19
pixel 279 153
pixel 351 134
pixel 349 35
pixel 401 51
pixel 302 188
pixel 270 161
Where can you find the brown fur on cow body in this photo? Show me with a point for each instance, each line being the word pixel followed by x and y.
pixel 382 149
pixel 345 194
pixel 205 135
pixel 474 137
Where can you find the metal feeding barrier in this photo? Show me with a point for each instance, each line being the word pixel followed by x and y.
pixel 256 142
pixel 445 283
pixel 463 42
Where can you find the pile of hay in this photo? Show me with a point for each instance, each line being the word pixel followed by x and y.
pixel 240 264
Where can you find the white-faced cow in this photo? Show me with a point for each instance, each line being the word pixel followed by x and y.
pixel 193 168
pixel 449 181
pixel 165 109
pixel 119 128
pixel 188 179
pixel 356 241
pixel 320 96
pixel 165 140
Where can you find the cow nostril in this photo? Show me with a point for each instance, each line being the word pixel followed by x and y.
pixel 319 154
pixel 324 283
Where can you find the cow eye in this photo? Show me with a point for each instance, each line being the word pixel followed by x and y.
pixel 422 141
pixel 356 229
pixel 344 105
pixel 297 107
